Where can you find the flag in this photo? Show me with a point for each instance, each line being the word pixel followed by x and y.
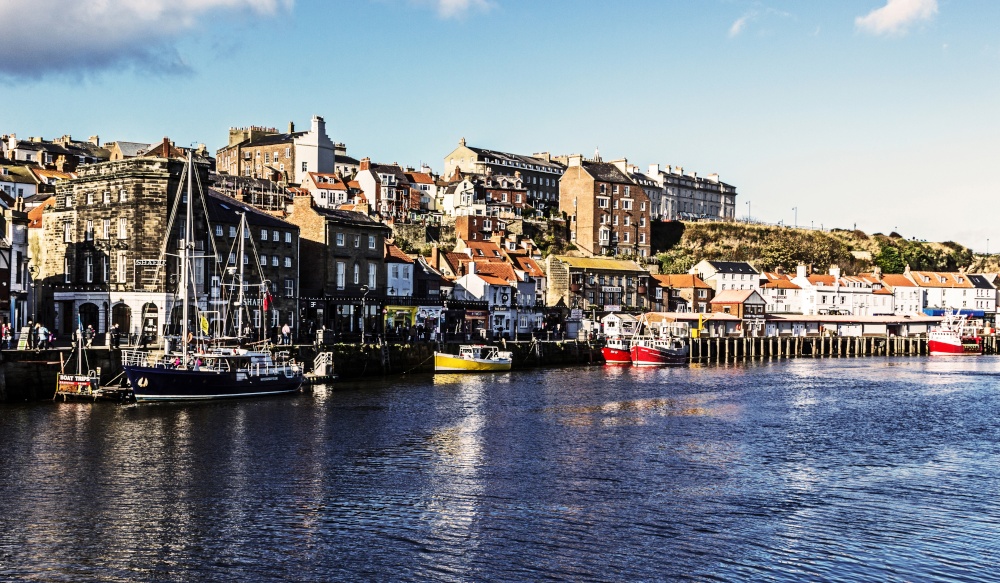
pixel 204 325
pixel 267 301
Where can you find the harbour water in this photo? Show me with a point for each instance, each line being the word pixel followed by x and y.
pixel 869 469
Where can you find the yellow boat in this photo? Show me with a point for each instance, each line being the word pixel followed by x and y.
pixel 473 358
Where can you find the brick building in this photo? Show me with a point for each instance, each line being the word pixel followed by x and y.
pixel 609 213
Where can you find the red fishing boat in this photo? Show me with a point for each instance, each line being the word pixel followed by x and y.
pixel 954 337
pixel 616 351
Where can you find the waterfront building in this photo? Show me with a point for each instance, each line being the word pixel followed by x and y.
pixel 608 212
pixel 686 196
pixel 727 275
pixel 907 297
pixel 596 285
pixel 526 266
pixel 540 173
pixel 682 292
pixel 103 239
pixel 510 297
pixel 835 294
pixel 14 274
pixel 955 291
pixel 343 277
pixel 783 296
pixel 399 272
pixel 261 152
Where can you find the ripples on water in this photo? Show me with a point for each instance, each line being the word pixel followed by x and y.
pixel 833 470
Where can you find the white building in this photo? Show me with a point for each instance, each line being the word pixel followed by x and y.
pixel 728 275
pixel 783 296
pixel 313 150
pixel 399 268
pixel 955 291
pixel 845 295
pixel 511 300
pixel 686 196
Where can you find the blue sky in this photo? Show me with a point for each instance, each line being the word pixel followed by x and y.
pixel 877 113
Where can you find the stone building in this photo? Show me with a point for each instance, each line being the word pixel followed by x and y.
pixel 609 213
pixel 105 240
pixel 540 172
pixel 596 284
pixel 688 196
pixel 260 152
pixel 343 271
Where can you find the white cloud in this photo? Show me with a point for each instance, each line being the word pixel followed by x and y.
pixel 740 24
pixel 43 37
pixel 896 16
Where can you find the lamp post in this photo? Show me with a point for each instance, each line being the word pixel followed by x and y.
pixel 364 311
pixel 748 212
pixel 795 210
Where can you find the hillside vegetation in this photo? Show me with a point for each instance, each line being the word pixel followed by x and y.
pixel 768 247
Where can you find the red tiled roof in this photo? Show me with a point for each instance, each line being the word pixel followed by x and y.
pixel 504 271
pixel 35 214
pixel 394 254
pixel 680 280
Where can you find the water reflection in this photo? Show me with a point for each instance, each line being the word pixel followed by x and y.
pixel 833 469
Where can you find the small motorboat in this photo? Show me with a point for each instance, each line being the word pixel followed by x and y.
pixel 473 358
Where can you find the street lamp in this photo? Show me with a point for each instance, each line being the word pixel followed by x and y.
pixel 795 210
pixel 364 312
pixel 748 212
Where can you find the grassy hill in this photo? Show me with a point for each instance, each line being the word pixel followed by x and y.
pixel 680 245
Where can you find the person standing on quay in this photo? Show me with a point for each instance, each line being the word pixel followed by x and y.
pixel 42 336
pixel 286 334
pixel 116 337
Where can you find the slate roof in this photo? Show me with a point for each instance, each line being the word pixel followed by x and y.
pixel 272 139
pixel 225 209
pixel 606 172
pixel 732 267
pixel 515 159
pixel 131 149
pixel 351 218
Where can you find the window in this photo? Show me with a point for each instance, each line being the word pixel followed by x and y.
pixel 122 268
pixel 246 232
pixel 263 260
pixel 289 287
pixel 106 197
pixel 602 203
pixel 288 237
pixel 604 189
pixel 357 274
pixel 357 241
pixel 371 241
pixel 288 261
pixel 122 228
pixel 122 195
pixel 90 198
pixel 627 204
pixel 67 264
pixel 274 261
pixel 615 189
pixel 88 265
pixel 69 201
pixel 67 233
pixel 232 231
pixel 274 235
pixel 371 275
pixel 263 234
pixel 627 191
pixel 340 239
pixel 288 152
pixel 88 235
pixel 218 230
pixel 305 166
pixel 232 259
pixel 341 273
pixel 246 259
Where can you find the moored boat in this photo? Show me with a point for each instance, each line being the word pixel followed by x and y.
pixel 473 358
pixel 616 351
pixel 650 351
pixel 954 337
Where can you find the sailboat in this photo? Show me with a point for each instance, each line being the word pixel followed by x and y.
pixel 192 369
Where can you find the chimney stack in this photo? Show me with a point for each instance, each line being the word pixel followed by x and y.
pixel 291 127
pixel 366 164
pixel 96 140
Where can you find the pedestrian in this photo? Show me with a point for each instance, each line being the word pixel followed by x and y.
pixel 89 335
pixel 115 337
pixel 7 333
pixel 42 336
pixel 52 339
pixel 286 334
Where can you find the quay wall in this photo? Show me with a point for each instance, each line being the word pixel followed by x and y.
pixel 30 375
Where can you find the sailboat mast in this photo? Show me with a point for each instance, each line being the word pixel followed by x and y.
pixel 239 313
pixel 185 276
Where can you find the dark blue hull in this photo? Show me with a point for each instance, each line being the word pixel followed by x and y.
pixel 165 384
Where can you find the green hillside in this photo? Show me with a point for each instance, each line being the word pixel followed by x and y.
pixel 680 245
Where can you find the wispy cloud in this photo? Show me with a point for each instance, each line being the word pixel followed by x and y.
pixel 896 17
pixel 455 8
pixel 78 38
pixel 741 23
pixel 758 12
